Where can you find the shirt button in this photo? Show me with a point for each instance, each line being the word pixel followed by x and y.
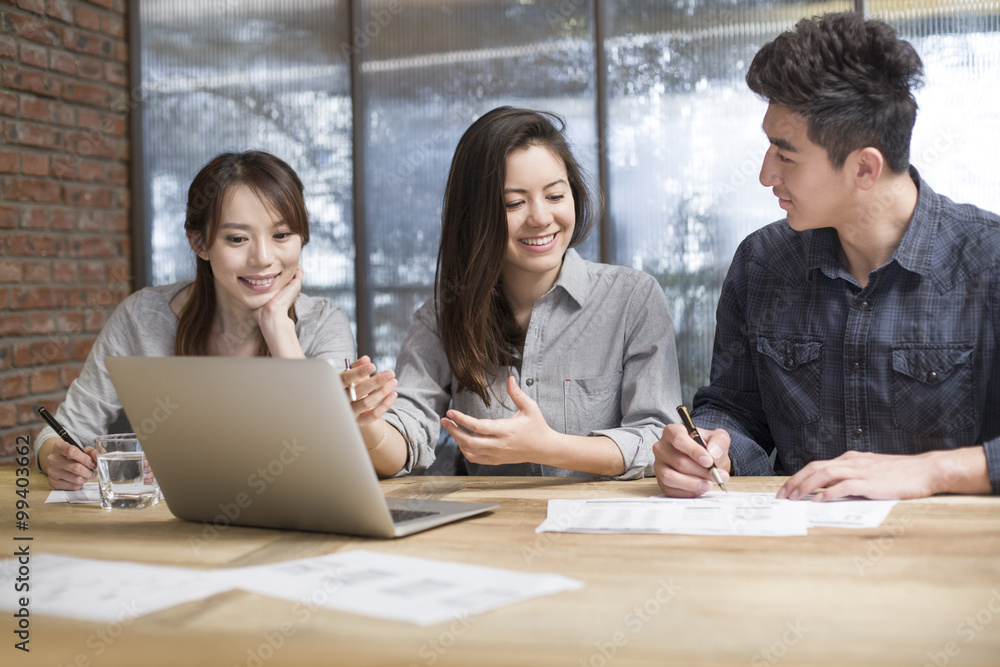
pixel 932 377
pixel 858 433
pixel 789 363
pixel 854 366
pixel 864 305
pixel 529 381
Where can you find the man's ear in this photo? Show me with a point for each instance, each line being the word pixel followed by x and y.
pixel 866 165
pixel 197 243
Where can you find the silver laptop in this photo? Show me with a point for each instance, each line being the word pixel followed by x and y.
pixel 264 442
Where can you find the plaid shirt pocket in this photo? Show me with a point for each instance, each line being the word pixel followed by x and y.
pixel 790 378
pixel 933 390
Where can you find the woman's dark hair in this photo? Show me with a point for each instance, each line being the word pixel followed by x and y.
pixel 276 184
pixel 475 320
pixel 850 78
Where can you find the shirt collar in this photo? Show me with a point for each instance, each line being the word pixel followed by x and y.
pixel 913 252
pixel 917 245
pixel 573 277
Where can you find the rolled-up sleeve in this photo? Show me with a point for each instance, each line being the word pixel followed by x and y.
pixel 650 379
pixel 424 390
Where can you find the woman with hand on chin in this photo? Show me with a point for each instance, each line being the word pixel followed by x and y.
pixel 552 365
pixel 246 223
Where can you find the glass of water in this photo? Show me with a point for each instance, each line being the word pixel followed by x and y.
pixel 123 473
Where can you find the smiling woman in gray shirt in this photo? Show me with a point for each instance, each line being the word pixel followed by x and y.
pixel 552 365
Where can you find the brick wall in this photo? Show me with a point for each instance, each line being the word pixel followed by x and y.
pixel 65 254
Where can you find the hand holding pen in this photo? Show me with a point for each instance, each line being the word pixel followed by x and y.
pixel 66 462
pixel 685 467
pixel 693 432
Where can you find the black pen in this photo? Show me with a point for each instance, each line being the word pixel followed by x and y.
pixel 51 421
pixel 693 432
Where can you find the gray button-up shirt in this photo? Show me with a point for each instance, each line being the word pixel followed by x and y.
pixel 599 359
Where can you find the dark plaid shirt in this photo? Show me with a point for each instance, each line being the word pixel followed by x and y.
pixel 810 363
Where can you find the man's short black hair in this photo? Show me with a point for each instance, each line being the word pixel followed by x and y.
pixel 851 79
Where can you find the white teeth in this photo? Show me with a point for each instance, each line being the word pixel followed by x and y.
pixel 540 241
pixel 268 281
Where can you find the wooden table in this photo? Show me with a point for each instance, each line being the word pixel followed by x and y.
pixel 922 589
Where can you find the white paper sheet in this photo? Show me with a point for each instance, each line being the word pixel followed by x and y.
pixel 401 588
pixel 105 591
pixel 715 513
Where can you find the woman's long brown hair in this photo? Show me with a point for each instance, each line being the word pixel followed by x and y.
pixel 277 185
pixel 475 320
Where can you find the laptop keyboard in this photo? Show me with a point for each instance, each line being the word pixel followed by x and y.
pixel 399 516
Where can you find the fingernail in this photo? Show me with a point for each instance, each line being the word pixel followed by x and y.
pixel 794 495
pixel 704 461
pixel 704 486
pixel 714 451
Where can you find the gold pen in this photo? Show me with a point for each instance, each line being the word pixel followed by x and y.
pixel 354 392
pixel 693 432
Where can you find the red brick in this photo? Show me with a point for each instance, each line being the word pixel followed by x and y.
pixel 37 271
pixel 60 9
pixel 69 373
pixel 36 6
pixel 6 357
pixel 34 298
pixel 8 104
pixel 116 174
pixel 89 144
pixel 88 17
pixel 64 271
pixel 93 272
pixel 95 297
pixel 8 414
pixel 90 221
pixel 36 56
pixel 91 170
pixel 40 83
pixel 41 323
pixel 9 162
pixel 39 136
pixel 38 353
pixel 8 217
pixel 34 165
pixel 33 189
pixel 90 44
pixel 64 166
pixel 119 270
pixel 70 322
pixel 13 385
pixel 94 246
pixel 81 348
pixel 35 29
pixel 107 4
pixel 90 68
pixel 88 119
pixel 81 195
pixel 113 25
pixel 44 381
pixel 11 271
pixel 12 440
pixel 84 93
pixel 116 74
pixel 8 48
pixel 34 218
pixel 63 62
pixel 117 221
pixel 33 245
pixel 12 324
pixel 124 198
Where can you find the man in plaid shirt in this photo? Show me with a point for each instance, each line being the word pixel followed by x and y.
pixel 858 339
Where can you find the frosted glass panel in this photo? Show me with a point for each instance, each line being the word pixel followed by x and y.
pixel 685 147
pixel 429 70
pixel 234 76
pixel 957 134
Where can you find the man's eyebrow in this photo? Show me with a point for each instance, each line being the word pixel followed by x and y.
pixel 782 144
